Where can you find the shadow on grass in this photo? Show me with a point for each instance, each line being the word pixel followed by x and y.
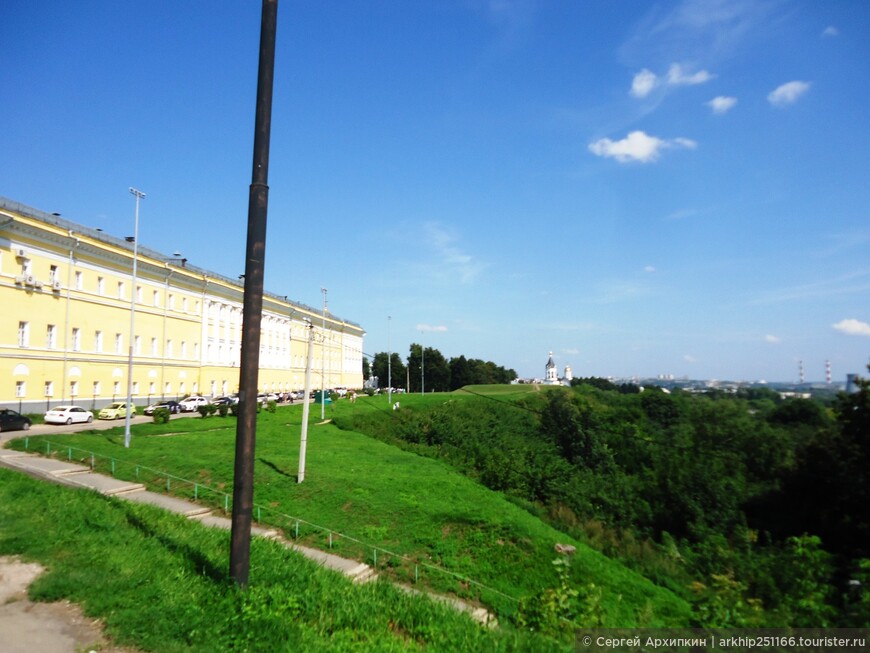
pixel 199 561
pixel 274 467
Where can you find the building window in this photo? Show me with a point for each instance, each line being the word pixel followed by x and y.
pixel 151 388
pixel 98 341
pixel 171 301
pixel 156 298
pixel 154 346
pixel 181 388
pixel 24 334
pixel 51 336
pixel 73 388
pixel 167 388
pixel 116 389
pixel 119 343
pixel 79 280
pixel 120 290
pixel 76 339
pixel 49 388
pixel 20 389
pixel 96 388
pixel 138 294
pixel 101 286
pixel 195 388
pixel 183 349
pixel 52 274
pixel 137 345
pixel 196 350
pixel 213 388
pixel 169 349
pixel 184 304
pixel 135 387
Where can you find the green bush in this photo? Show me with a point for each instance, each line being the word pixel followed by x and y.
pixel 207 410
pixel 223 409
pixel 160 416
pixel 271 406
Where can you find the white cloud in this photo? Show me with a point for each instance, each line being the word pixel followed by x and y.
pixel 722 104
pixel 643 83
pixel 687 143
pixel 430 328
pixel 637 146
pixel 853 327
pixel 774 340
pixel 678 77
pixel 787 93
pixel 830 30
pixel 682 213
pixel 649 269
pixel 452 258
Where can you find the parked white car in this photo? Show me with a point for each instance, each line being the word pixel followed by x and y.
pixel 190 404
pixel 68 415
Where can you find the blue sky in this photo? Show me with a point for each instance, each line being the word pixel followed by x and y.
pixel 642 188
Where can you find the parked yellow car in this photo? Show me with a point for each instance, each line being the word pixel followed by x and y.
pixel 116 410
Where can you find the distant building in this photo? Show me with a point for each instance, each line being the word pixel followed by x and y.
pixel 66 292
pixel 551 376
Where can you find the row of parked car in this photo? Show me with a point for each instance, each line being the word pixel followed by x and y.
pixel 12 420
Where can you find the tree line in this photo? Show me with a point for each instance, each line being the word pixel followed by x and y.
pixel 752 506
pixel 428 370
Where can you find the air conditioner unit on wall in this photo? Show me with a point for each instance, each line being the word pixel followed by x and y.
pixel 20 279
pixel 29 280
pixel 55 285
pixel 20 252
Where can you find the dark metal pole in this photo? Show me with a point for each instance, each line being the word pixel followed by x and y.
pixel 252 310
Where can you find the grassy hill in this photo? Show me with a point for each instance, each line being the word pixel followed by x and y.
pixel 158 582
pixel 416 518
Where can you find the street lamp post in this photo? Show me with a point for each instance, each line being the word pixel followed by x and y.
pixel 389 364
pixel 139 195
pixel 323 362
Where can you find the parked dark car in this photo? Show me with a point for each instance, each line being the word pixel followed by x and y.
pixel 11 420
pixel 172 406
pixel 224 401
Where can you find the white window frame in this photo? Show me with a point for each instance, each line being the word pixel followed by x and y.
pixel 23 333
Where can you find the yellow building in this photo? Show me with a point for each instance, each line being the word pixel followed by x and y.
pixel 67 292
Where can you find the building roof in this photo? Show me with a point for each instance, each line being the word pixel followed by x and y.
pixel 122 243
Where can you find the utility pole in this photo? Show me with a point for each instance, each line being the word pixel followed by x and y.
pixel 306 406
pixel 389 365
pixel 139 195
pixel 252 309
pixel 323 362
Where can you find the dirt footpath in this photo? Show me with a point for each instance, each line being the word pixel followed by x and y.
pixel 28 627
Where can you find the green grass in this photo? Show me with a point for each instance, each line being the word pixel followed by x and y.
pixel 158 582
pixel 375 499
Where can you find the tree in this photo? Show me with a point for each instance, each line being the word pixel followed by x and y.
pixel 436 371
pixel 460 373
pixel 395 371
